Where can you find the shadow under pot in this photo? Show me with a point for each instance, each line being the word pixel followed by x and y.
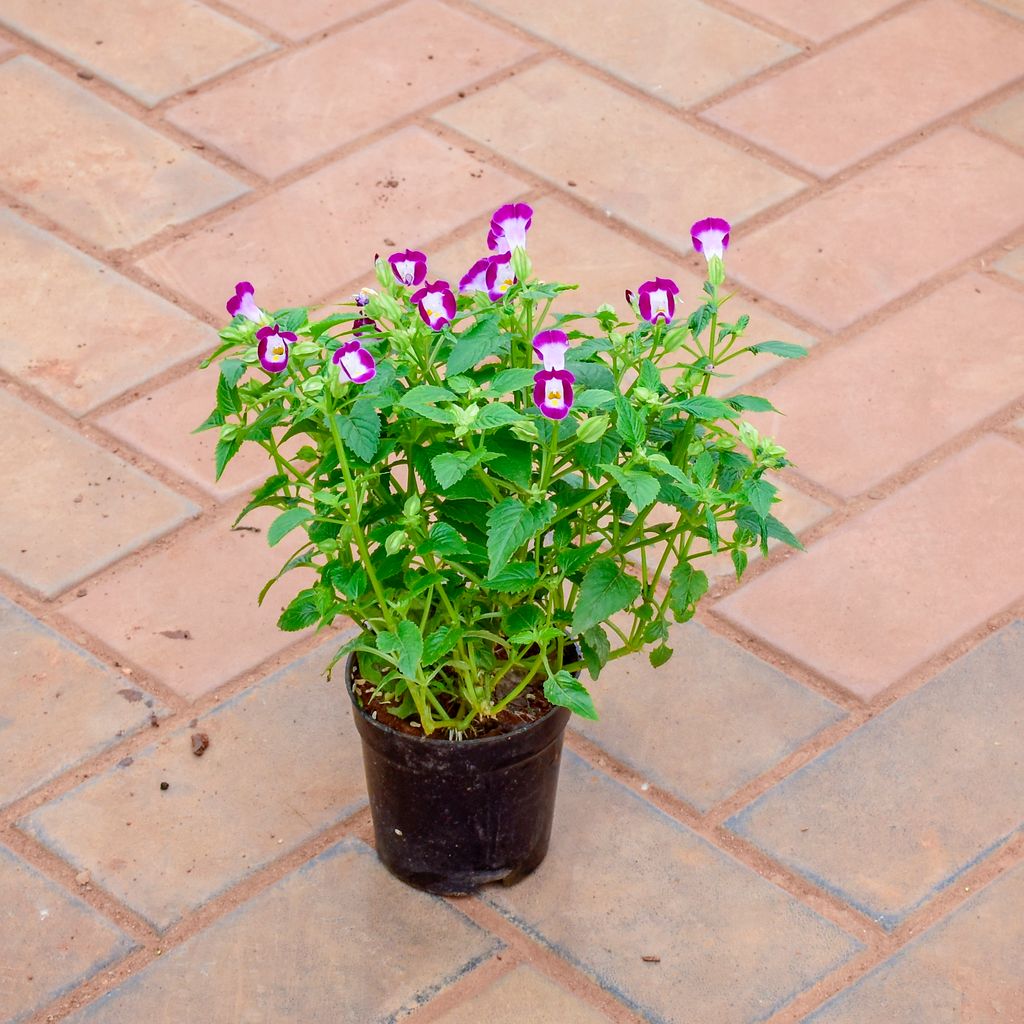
pixel 452 815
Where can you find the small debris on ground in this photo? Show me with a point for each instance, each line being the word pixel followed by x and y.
pixel 176 634
pixel 200 741
pixel 164 786
pixel 81 592
pixel 87 75
pixel 83 878
pixel 154 722
pixel 125 762
pixel 651 959
pixel 130 695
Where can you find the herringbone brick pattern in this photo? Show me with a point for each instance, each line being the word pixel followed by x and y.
pixel 826 822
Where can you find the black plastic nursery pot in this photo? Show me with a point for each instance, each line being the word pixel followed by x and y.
pixel 452 815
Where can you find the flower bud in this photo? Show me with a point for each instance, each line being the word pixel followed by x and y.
pixel 525 431
pixel 522 265
pixel 412 505
pixel 716 271
pixel 592 429
pixel 383 272
pixel 395 542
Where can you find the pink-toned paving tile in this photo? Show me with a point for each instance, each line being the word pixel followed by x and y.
pixel 69 507
pixel 319 233
pixel 871 239
pixel 636 41
pixel 283 764
pixel 310 101
pixel 187 611
pixel 692 175
pixel 60 704
pixel 298 20
pixel 121 334
pixel 149 48
pixel 161 424
pixel 901 582
pixel 1013 264
pixel 51 941
pixel 908 373
pixel 871 90
pixel 1006 119
pixel 815 19
pixel 94 169
pixel 1015 7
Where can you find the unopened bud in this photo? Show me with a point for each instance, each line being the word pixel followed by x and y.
pixel 522 265
pixel 395 542
pixel 412 505
pixel 592 429
pixel 716 271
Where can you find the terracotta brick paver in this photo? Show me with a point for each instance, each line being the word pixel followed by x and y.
pixel 149 48
pixel 813 813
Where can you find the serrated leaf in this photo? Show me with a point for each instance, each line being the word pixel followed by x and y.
pixel 751 403
pixel 605 590
pixel 595 648
pixel 507 381
pixel 706 407
pixel 451 467
pixel 661 654
pixel 712 525
pixel 642 488
pixel 594 398
pixel 591 375
pixel 704 469
pixel 526 616
pixel 629 423
pixel 228 401
pixel 302 612
pixel 780 531
pixel 513 579
pixel 739 561
pixel 761 495
pixel 291 319
pixel 269 487
pixel 497 414
pixel 215 419
pixel 410 648
pixel 785 349
pixel 483 339
pixel 573 558
pixel 567 691
pixel 285 523
pixel 686 588
pixel 231 371
pixel 440 642
pixel 360 430
pixel 509 525
pixel 224 453
pixel 321 326
pixel 445 540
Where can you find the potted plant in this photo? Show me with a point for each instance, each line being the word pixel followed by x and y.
pixel 500 497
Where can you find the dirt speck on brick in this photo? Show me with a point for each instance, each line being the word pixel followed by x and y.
pixel 200 743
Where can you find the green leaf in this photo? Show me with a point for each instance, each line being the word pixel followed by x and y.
pixel 497 414
pixel 318 328
pixel 706 407
pixel 785 349
pixel 215 419
pixel 269 487
pixel 687 587
pixel 642 488
pixel 739 561
pixel 595 647
pixel 360 429
pixel 751 403
pixel 567 691
pixel 712 525
pixel 514 459
pixel 761 495
pixel 421 399
pixel 228 401
pixel 650 376
pixel 526 616
pixel 704 469
pixel 439 642
pixel 590 375
pixel 605 590
pixel 445 540
pixel 629 423
pixel 231 370
pixel 291 319
pixel 700 318
pixel 225 452
pixel 451 467
pixel 302 612
pixel 780 531
pixel 513 579
pixel 509 525
pixel 410 649
pixel 594 398
pixel 572 558
pixel 285 523
pixel 660 655
pixel 483 339
pixel 507 381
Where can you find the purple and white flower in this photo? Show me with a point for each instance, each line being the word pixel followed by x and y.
pixel 509 226
pixel 355 362
pixel 475 279
pixel 499 277
pixel 363 325
pixel 711 237
pixel 409 267
pixel 550 347
pixel 656 299
pixel 243 303
pixel 437 304
pixel 273 347
pixel 552 392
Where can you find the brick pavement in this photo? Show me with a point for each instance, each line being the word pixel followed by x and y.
pixel 827 827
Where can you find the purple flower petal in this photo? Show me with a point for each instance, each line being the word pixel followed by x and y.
pixel 272 349
pixel 497 242
pixel 552 393
pixel 499 277
pixel 475 279
pixel 711 236
pixel 511 221
pixel 657 299
pixel 409 267
pixel 550 347
pixel 242 303
pixel 436 304
pixel 355 362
